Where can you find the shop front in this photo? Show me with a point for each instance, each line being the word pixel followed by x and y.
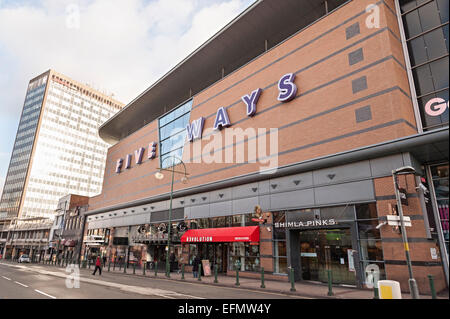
pixel 227 247
pixel 343 240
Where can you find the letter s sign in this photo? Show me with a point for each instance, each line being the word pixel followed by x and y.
pixel 435 110
pixel 287 88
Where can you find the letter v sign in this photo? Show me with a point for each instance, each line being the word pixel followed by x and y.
pixel 195 129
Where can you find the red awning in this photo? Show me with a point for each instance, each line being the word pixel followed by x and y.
pixel 226 234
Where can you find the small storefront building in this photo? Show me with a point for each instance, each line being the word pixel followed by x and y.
pixel 229 247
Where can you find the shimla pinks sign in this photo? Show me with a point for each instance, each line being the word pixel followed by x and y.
pixel 287 91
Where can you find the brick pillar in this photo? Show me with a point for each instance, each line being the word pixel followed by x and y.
pixel 419 244
pixel 266 244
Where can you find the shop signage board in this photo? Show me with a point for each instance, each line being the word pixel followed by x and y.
pixel 224 234
pixel 351 261
pixel 309 223
pixel 206 267
pixel 394 220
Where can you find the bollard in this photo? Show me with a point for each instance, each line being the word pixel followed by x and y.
pixel 156 268
pixel 114 265
pixel 433 290
pixel 262 278
pixel 120 266
pixel 215 273
pixel 200 272
pixel 109 266
pixel 237 277
pixel 89 263
pixel 125 268
pixel 330 288
pixel 134 268
pixel 182 272
pixel 143 268
pixel 292 279
pixel 376 295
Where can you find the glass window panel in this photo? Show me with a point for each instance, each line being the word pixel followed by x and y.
pixel 441 188
pixel 439 71
pixel 280 248
pixel 417 51
pixel 445 31
pixel 280 265
pixel 429 16
pixel 367 229
pixel 412 24
pixel 440 171
pixel 371 250
pixel 407 5
pixel 339 213
pixel 443 6
pixel 435 44
pixel 423 80
pixel 366 211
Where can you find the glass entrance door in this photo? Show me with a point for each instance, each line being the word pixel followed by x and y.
pixel 325 249
pixel 216 253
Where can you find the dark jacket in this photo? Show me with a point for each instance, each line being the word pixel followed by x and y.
pixel 195 264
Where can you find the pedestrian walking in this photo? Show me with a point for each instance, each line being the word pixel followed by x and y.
pixel 98 265
pixel 195 264
pixel 104 259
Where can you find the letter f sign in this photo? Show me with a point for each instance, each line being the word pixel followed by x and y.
pixel 195 129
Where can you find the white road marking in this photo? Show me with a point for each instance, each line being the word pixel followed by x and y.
pixel 19 283
pixel 43 293
pixel 6 278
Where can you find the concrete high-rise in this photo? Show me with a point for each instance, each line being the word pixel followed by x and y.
pixel 57 150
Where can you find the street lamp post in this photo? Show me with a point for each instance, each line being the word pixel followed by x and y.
pixel 160 176
pixel 414 291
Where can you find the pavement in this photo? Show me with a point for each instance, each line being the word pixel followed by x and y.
pixel 159 286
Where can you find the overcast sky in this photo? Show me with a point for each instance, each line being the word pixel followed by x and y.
pixel 118 46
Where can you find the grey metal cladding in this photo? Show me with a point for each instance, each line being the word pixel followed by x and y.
pixel 383 166
pixel 355 56
pixel 264 187
pixel 199 211
pixel 244 190
pixel 300 198
pixel 292 182
pixel 363 114
pixel 359 84
pixel 177 203
pixel 345 192
pixel 409 159
pixel 220 195
pixel 245 205
pixel 221 209
pixel 342 173
pixel 352 31
pixel 264 201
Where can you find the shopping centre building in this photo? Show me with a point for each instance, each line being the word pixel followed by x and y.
pixel 289 123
